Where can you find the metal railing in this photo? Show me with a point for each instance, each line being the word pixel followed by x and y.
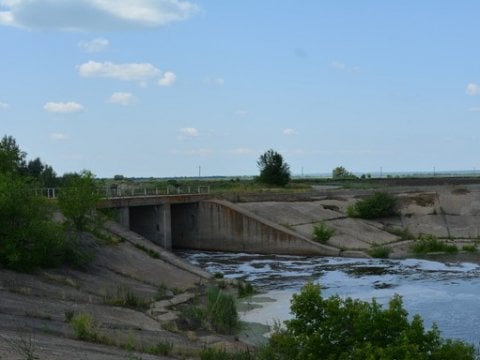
pixel 110 192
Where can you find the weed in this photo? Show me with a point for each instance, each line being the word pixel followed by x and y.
pixel 380 204
pixel 162 292
pixel 245 289
pixel 430 243
pixel 130 344
pixel 470 248
pixel 402 233
pixel 379 251
pixel 161 348
pixel 221 311
pixel 322 233
pixel 194 317
pixel 84 327
pixel 218 275
pixel 23 346
pixel 222 354
pixel 126 298
pixel 69 315
pixel 152 253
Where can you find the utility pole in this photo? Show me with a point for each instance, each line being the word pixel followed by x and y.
pixel 199 171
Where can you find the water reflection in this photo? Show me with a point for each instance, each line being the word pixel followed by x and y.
pixel 445 293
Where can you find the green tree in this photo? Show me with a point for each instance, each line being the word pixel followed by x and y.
pixel 12 159
pixel 336 328
pixel 28 236
pixel 273 169
pixel 78 198
pixel 341 173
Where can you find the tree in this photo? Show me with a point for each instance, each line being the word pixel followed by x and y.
pixel 273 170
pixel 12 159
pixel 341 173
pixel 337 328
pixel 78 198
pixel 28 236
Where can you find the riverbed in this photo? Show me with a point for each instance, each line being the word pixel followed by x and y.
pixel 445 293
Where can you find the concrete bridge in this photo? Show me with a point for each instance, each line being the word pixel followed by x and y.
pixel 198 221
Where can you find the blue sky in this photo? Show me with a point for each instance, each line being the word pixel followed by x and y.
pixel 159 88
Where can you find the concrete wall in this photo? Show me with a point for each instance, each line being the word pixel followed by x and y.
pixel 222 226
pixel 153 223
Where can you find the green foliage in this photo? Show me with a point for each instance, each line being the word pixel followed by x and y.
pixel 221 311
pixel 245 289
pixel 78 198
pixel 429 243
pixel 379 251
pixel 152 253
pixel 161 348
pixel 84 327
pixel 341 173
pixel 125 297
pixel 222 354
pixel 380 204
pixel 12 159
pixel 469 248
pixel 403 233
pixel 322 233
pixel 273 170
pixel 28 237
pixel 340 328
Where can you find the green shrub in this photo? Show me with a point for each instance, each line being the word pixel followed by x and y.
pixel 340 328
pixel 222 354
pixel 127 298
pixel 29 239
pixel 379 251
pixel 469 248
pixel 322 233
pixel 245 289
pixel 380 204
pixel 194 316
pixel 161 348
pixel 429 243
pixel 221 311
pixel 84 327
pixel 402 233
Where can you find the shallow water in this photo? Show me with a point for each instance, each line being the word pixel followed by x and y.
pixel 447 294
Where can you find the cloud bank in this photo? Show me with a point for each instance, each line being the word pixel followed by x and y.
pixel 93 15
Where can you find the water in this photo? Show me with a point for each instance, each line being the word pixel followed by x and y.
pixel 447 294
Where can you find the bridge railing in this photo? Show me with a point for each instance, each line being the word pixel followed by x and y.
pixel 131 191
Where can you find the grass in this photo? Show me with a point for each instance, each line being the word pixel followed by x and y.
pixel 379 251
pixel 127 298
pixel 221 311
pixel 245 289
pixel 222 354
pixel 469 248
pixel 430 243
pixel 84 327
pixel 161 348
pixel 322 233
pixel 402 233
pixel 152 253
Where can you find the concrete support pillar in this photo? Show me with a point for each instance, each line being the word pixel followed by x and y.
pixel 123 216
pixel 153 223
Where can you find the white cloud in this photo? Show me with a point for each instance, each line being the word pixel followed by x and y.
pixel 243 151
pixel 94 15
pixel 167 79
pixel 472 89
pixel 126 72
pixel 4 105
pixel 122 98
pixel 338 65
pixel 63 107
pixel 94 46
pixel 290 132
pixel 59 136
pixel 475 109
pixel 188 133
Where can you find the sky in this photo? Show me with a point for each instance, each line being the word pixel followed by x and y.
pixel 164 88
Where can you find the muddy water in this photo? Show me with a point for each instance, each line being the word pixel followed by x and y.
pixel 447 294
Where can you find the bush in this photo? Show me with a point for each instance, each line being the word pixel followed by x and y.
pixel 245 289
pixel 322 233
pixel 222 354
pixel 29 238
pixel 381 204
pixel 340 328
pixel 221 311
pixel 379 252
pixel 161 348
pixel 84 327
pixel 127 298
pixel 429 243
